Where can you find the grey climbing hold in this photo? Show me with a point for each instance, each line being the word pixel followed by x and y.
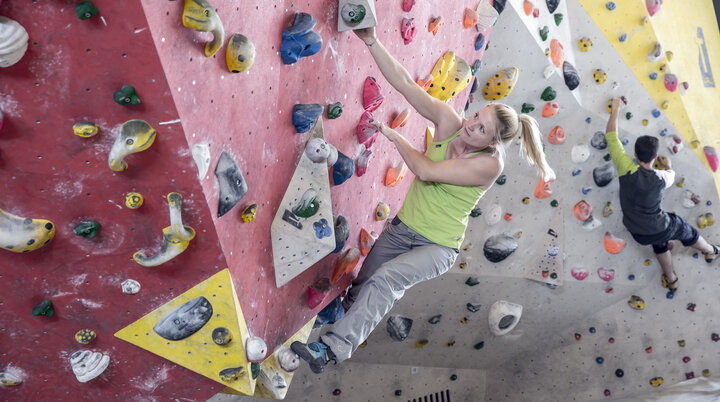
pixel 317 150
pixel 342 232
pixel 184 320
pixel 499 5
pixel 130 286
pixel 399 327
pixel 603 175
pixel 598 141
pixel 572 78
pixel 232 183
pixel 498 247
pixel 503 317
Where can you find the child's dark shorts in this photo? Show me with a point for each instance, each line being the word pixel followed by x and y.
pixel 678 229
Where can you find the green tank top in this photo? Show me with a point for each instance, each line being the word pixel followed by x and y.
pixel 439 211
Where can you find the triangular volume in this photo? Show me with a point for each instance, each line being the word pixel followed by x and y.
pixel 191 319
pixel 302 231
pixel 549 256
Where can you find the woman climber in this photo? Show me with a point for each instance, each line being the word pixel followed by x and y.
pixel 459 166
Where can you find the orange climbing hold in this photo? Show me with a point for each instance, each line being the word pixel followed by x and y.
pixel 435 25
pixel 582 210
pixel 471 18
pixel 613 245
pixel 528 7
pixel 401 119
pixel 367 239
pixel 395 175
pixel 345 263
pixel 543 189
pixel 557 135
pixel 550 109
pixel 425 83
pixel 557 54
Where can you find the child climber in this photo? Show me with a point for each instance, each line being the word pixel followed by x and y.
pixel 641 193
pixel 462 163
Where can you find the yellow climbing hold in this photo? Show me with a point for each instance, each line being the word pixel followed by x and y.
pixel 636 302
pixel 647 262
pixel 85 336
pixel 451 74
pixel 645 122
pixel 85 129
pixel 240 54
pixel 133 200
pixel 9 380
pixel 706 220
pixel 599 76
pixel 20 235
pixel 501 84
pixel 200 16
pixel 585 44
pixel 422 343
pixel 665 105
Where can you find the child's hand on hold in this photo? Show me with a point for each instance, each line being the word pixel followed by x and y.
pixel 617 104
pixel 665 161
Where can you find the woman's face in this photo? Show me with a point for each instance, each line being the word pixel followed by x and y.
pixel 480 129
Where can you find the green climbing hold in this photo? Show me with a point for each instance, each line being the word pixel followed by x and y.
pixel 527 107
pixel 308 204
pixel 334 110
pixel 548 94
pixel 553 275
pixel 453 377
pixel 398 392
pixel 544 31
pixel 628 115
pixel 85 10
pixel 435 319
pixel 255 369
pixel 554 203
pixel 558 18
pixel 45 308
pixel 479 345
pixel 476 212
pixel 87 229
pixel 352 13
pixel 473 308
pixel 472 281
pixel 126 96
pixel 501 180
pixel 607 157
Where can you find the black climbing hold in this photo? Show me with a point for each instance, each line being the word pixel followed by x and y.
pixel 572 78
pixel 221 336
pixel 343 169
pixel 619 373
pixel 184 320
pixel 474 86
pixel 45 308
pixel 231 182
pixel 552 5
pixel 506 321
pixel 305 115
pixel 499 5
pixel 399 327
pixel 472 281
pixel 479 345
pixel 498 247
pixel 453 377
pixel 473 308
pixel 342 232
pixel 435 319
pixel 603 175
pixel 598 141
pixel 476 212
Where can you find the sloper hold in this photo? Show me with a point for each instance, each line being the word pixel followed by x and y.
pixel 503 317
pixel 398 327
pixel 613 245
pixel 255 349
pixel 317 150
pixel 372 98
pixel 300 40
pixel 451 74
pixel 185 319
pixel 200 16
pixel 499 5
pixel 528 7
pixel 367 132
pixel 361 163
pixel 408 30
pixel 345 263
pixel 543 189
pixel 343 169
pixel 557 54
pixel 712 157
pixel 598 141
pixel 487 15
pixel 231 182
pixel 548 94
pixel 135 136
pixel 572 78
pixel 579 273
pixel 201 156
pixel 603 175
pixel 498 247
pixel 653 6
pixel 21 235
pixel 552 5
pixel 501 84
pixel 394 175
pixel 606 274
pixel 305 115
pixel 84 129
pixel 13 41
pixel 367 240
pixel 240 54
pixel 9 380
pixel 176 237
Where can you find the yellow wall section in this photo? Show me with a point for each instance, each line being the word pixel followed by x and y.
pixel 675 26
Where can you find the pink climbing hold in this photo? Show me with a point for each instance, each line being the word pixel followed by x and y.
pixel 606 274
pixel 407 29
pixel 712 157
pixel 407 5
pixel 318 292
pixel 366 131
pixel 653 6
pixel 372 98
pixel 362 161
pixel 671 82
pixel 613 245
pixel 579 273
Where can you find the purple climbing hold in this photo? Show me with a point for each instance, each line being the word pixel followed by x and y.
pixel 343 169
pixel 480 42
pixel 663 132
pixel 610 5
pixel 305 115
pixel 300 40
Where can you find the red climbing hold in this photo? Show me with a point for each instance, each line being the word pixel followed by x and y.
pixel 536 12
pixel 712 157
pixel 345 264
pixel 367 239
pixel 653 6
pixel 715 337
pixel 543 189
pixel 337 392
pixel 407 5
pixel 606 274
pixel 407 30
pixel 613 245
pixel 582 210
pixel 557 54
pixel 318 292
pixel 361 163
pixel 671 82
pixel 550 109
pixel 366 131
pixel 579 273
pixel 578 336
pixel 372 98
pixel 470 19
pixel 435 25
pixel 556 136
pixel 401 119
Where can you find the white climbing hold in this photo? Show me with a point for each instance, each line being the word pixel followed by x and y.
pixel 656 54
pixel 332 155
pixel 317 150
pixel 549 70
pixel 503 317
pixel 13 42
pixel 493 215
pixel 289 361
pixel 580 153
pixel 591 223
pixel 256 349
pixel 87 365
pixel 201 156
pixel 130 286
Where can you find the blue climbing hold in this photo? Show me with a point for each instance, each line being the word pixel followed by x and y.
pixel 576 172
pixel 586 190
pixel 708 203
pixel 631 277
pixel 625 141
pixel 610 5
pixel 670 294
pixel 476 66
pixel 663 132
pixel 480 42
pixel 305 115
pixel 592 330
pixel 599 360
pixel 322 229
pixel 331 313
pixel 656 113
pixel 300 40
pixel 474 86
pixel 696 255
pixel 622 37
pixel 343 169
pixel 588 120
pixel 653 76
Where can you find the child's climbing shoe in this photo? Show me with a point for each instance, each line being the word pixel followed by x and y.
pixel 317 354
pixel 710 257
pixel 671 286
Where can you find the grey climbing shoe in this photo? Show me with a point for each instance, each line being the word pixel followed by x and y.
pixel 316 354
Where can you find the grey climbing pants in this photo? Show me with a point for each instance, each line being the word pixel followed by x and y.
pixel 399 259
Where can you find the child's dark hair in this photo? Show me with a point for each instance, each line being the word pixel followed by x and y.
pixel 646 148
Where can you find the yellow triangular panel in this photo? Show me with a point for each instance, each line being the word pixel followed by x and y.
pixel 198 352
pixel 429 133
pixel 271 365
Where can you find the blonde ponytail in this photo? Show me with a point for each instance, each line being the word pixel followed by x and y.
pixel 533 148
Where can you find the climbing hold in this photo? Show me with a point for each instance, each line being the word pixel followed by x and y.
pixel 582 210
pixel 367 240
pixel 467 247
pixel 619 373
pixel 556 136
pixel 305 115
pixel 552 5
pixel 475 67
pixel 361 163
pixel 608 210
pixel 636 302
pixel 578 336
pixel 240 54
pixel 221 336
pixel 622 37
pixel 135 136
pixel 580 153
pixel 550 109
pixel 571 75
pixel 706 220
pixel 690 199
pixel 498 247
pixel 671 82
pixel 470 18
pixel 706 373
pixel 256 349
pixel 366 132
pixel 599 360
pixel 317 150
pixel 86 10
pixel 548 94
pixel 345 263
pixel 613 245
pixel 480 41
pixel 13 41
pixel 133 200
pixel 233 373
pixel 493 215
pixel 712 157
pixel 9 380
pixel 525 200
pixel 300 40
pixel 372 98
pixel 407 30
pixel 501 84
pixel 126 96
pixel 231 182
pixel 21 235
pixel 656 381
pixel 308 204
pixel 473 308
pixel 472 281
pixel 557 54
pixel 422 343
pixel 87 229
pixel 503 317
pixel 544 31
pixel 656 53
pixel 603 175
pixel 599 76
pixel 598 141
pixel 645 122
pixel 88 365
pixel 665 105
pixel 343 169
pixel 543 189
pixel 653 76
pixel 248 214
pixel 528 7
pixel 85 336
pixel 401 119
pixel 426 83
pixel 475 212
pixel 201 156
pixel 45 308
pixel 681 183
pixel 579 273
pixel 674 144
pixel 352 14
pixel 200 16
pixel 334 110
pixel 606 274
pixel 527 108
pixel 85 129
pixel 585 44
pixel 628 115
pixel 184 320
pixel 558 19
pixel 435 24
pixel 394 175
pixel 610 5
pixel 318 291
pixel 322 228
pixel 576 172
pixel 176 237
pixel 398 327
pixel 653 6
pixel 130 286
pixel 435 319
pixel 548 71
pixel 382 211
pixel 501 179
pixel 586 190
pixel 554 203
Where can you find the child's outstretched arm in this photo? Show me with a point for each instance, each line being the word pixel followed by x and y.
pixel 623 163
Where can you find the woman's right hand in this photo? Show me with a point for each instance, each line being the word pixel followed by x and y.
pixel 366 34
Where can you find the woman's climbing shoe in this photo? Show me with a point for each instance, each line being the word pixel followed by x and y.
pixel 316 354
pixel 710 257
pixel 671 286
